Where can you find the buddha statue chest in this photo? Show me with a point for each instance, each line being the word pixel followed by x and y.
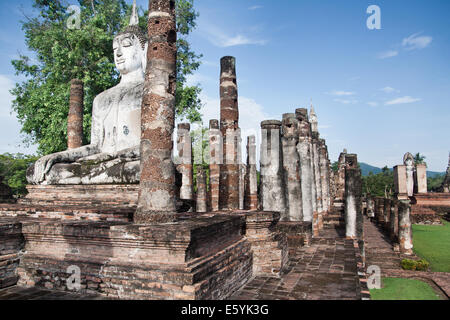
pixel 119 115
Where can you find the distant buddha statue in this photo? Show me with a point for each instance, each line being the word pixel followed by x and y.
pixel 113 154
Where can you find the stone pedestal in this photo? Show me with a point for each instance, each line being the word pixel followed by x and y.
pixel 199 258
pixel 421 178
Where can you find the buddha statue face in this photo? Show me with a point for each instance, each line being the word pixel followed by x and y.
pixel 129 56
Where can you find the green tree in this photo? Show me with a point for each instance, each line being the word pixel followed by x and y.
pixel 419 159
pixel 61 54
pixel 380 184
pixel 13 171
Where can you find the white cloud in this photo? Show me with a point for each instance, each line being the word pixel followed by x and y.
pixel 346 101
pixel 197 78
pixel 255 7
pixel 341 93
pixel 220 39
pixel 389 90
pixel 414 42
pixel 402 100
pixel 388 54
pixel 372 103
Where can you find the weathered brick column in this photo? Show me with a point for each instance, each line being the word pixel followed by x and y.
pixel 75 118
pixel 229 126
pixel 291 164
pixel 272 196
pixel 251 178
pixel 201 190
pixel 215 160
pixel 393 220
pixel 324 175
pixel 353 201
pixel 370 206
pixel 379 210
pixel 404 227
pixel 340 181
pixel 242 173
pixel 387 212
pixel 184 145
pixel 316 160
pixel 157 194
pixel 306 170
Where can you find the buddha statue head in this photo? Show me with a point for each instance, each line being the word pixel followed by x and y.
pixel 130 48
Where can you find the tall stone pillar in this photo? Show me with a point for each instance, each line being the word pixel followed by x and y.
pixel 291 163
pixel 315 158
pixel 387 211
pixel 400 189
pixel 353 201
pixel 272 196
pixel 393 220
pixel 201 205
pixel 370 207
pixel 324 175
pixel 306 170
pixel 157 194
pixel 75 118
pixel 340 181
pixel 215 161
pixel 229 126
pixel 404 227
pixel 251 178
pixel 184 145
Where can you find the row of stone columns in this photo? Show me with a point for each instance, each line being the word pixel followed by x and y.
pixel 395 217
pixel 295 169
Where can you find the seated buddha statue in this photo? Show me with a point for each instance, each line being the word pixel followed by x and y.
pixel 113 154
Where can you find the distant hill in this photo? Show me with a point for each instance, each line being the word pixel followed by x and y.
pixel 367 168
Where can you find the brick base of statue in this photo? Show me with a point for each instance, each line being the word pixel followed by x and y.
pixel 425 208
pixel 207 256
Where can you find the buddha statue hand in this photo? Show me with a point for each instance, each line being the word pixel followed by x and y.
pixel 36 173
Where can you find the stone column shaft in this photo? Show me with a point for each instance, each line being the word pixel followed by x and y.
pixel 201 205
pixel 157 194
pixel 306 170
pixel 272 196
pixel 184 145
pixel 215 161
pixel 251 178
pixel 393 220
pixel 404 227
pixel 291 163
pixel 353 201
pixel 229 125
pixel 75 118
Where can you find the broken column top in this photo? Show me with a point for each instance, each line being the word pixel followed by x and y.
pixel 270 124
pixel 228 66
pixel 214 124
pixel 290 126
pixel 184 126
pixel 156 6
pixel 351 161
pixel 302 114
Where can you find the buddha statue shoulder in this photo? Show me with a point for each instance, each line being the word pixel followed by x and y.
pixel 113 154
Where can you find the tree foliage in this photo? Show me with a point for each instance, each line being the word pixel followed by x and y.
pixel 380 184
pixel 61 54
pixel 419 159
pixel 13 171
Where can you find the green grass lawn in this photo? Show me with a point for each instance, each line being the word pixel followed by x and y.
pixel 433 244
pixel 404 289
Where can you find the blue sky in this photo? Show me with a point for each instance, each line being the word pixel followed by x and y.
pixel 378 93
